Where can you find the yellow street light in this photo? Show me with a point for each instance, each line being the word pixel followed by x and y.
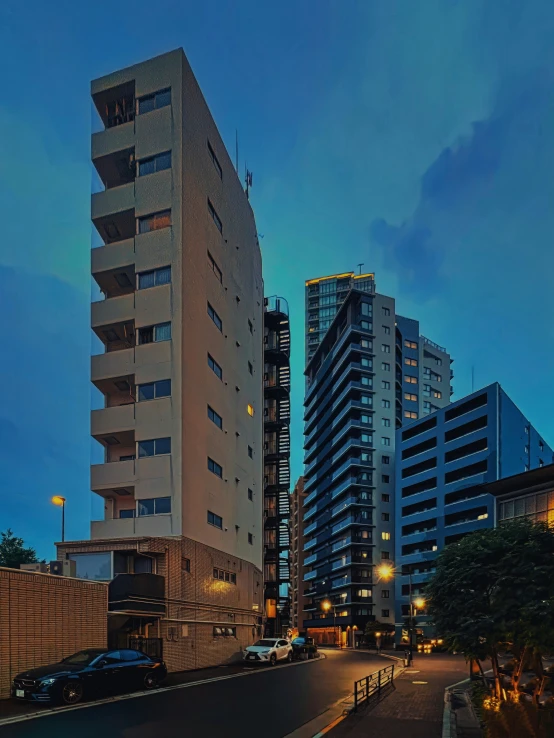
pixel 378 634
pixel 385 571
pixel 326 605
pixel 419 603
pixel 60 502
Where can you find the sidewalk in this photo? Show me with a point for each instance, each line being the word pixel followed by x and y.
pixel 407 709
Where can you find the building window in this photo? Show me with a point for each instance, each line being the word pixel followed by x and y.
pixel 366 343
pixel 410 362
pixel 438 395
pixel 154 278
pixel 366 438
pixel 385 441
pixel 527 430
pixel 385 459
pixel 385 497
pixel 185 564
pixel 215 161
pixel 154 333
pixel 385 384
pixel 409 379
pixel 385 478
pixel 541 446
pixel 526 449
pixel 386 330
pixel 366 363
pixel 250 368
pixel 410 397
pixel 154 390
pixel 154 447
pixel 385 422
pixel 215 417
pixel 386 311
pixel 410 414
pixel 126 513
pixel 385 517
pixel 385 367
pixel 250 494
pixel 385 348
pixel 215 468
pixel 152 102
pixel 385 594
pixel 214 366
pixel 385 555
pixel 215 217
pixel 250 327
pixel 366 419
pixel 215 269
pixel 154 164
pixel 221 574
pixel 250 452
pixel 215 317
pixel 215 520
pixel 366 400
pixel 365 325
pixel 156 506
pixel 385 403
pixel 385 613
pixel 365 456
pixel 154 222
pixel 251 539
pixel 526 467
pixel 250 410
pixel 541 462
pixel 385 535
pixel 410 344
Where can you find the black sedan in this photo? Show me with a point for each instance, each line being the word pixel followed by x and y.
pixel 89 673
pixel 304 645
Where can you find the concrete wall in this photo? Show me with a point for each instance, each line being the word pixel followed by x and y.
pixel 44 618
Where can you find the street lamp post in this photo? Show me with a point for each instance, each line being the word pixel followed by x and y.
pixel 386 572
pixel 327 605
pixel 60 501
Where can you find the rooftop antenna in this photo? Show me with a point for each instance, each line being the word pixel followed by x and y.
pixel 360 267
pixel 237 150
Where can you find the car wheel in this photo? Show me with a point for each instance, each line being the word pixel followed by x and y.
pixel 289 656
pixel 72 693
pixel 150 680
pixel 272 659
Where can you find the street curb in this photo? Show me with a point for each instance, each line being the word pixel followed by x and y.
pixel 48 712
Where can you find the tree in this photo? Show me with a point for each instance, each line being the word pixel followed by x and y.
pixel 494 591
pixel 13 551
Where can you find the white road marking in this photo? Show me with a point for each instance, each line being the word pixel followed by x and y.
pixel 133 695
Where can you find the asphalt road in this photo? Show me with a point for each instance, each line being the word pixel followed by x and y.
pixel 264 701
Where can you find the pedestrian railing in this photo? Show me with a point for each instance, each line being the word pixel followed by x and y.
pixel 369 685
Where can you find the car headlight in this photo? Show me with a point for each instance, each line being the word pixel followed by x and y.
pixel 46 682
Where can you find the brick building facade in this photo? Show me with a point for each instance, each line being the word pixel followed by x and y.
pixel 207 621
pixel 44 618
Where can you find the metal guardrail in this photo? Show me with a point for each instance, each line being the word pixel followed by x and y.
pixel 369 685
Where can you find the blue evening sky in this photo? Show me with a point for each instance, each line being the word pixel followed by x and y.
pixel 416 136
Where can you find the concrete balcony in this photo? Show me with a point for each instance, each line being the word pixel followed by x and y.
pixel 114 310
pixel 112 140
pixel 115 200
pixel 113 364
pixel 113 475
pixel 112 256
pixel 149 525
pixel 112 420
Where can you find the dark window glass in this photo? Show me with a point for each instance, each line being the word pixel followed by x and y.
pixel 215 317
pixel 146 448
pixel 216 520
pixel 163 388
pixel 215 217
pixel 147 166
pixel 163 98
pixel 146 104
pixel 155 222
pixel 250 494
pixel 163 446
pixel 214 366
pixel 162 505
pixel 126 513
pixel 215 468
pixel 146 392
pixel 145 507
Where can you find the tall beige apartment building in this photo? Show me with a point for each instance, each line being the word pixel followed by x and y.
pixel 181 371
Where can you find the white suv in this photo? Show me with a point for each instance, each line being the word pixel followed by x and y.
pixel 269 651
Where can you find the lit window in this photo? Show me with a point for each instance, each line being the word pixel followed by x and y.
pixel 154 222
pixel 385 536
pixel 409 379
pixel 484 516
pixel 410 344
pixel 408 396
pixel 410 414
pixel 410 362
pixel 250 410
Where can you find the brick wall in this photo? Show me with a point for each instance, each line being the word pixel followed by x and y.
pixel 44 618
pixel 196 602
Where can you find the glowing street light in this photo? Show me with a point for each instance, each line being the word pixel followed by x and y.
pixel 60 502
pixel 419 603
pixel 326 605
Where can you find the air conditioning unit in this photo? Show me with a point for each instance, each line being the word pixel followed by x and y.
pixel 40 567
pixel 65 568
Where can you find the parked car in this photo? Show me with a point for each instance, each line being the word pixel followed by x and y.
pixel 303 645
pixel 269 651
pixel 89 673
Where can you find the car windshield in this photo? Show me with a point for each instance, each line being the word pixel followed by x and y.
pixel 299 640
pixel 83 658
pixel 265 642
